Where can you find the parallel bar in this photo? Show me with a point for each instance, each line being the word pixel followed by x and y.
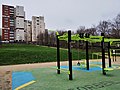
pixel 103 54
pixel 70 55
pixel 58 56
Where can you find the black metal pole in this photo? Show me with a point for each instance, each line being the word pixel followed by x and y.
pixel 70 55
pixel 109 58
pixel 115 56
pixel 103 54
pixel 87 54
pixel 58 56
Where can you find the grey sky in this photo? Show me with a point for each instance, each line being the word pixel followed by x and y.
pixel 68 14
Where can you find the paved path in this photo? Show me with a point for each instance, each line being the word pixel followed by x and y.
pixel 42 65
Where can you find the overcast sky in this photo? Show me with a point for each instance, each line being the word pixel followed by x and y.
pixel 67 14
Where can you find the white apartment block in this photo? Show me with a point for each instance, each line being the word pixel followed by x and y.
pixel 19 23
pixel 28 30
pixel 38 27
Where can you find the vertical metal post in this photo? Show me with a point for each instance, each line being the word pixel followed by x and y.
pixel 70 55
pixel 58 56
pixel 103 54
pixel 109 58
pixel 87 54
pixel 115 55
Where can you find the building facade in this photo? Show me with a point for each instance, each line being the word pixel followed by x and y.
pixel 16 29
pixel 28 30
pixel 19 23
pixel 8 23
pixel 38 27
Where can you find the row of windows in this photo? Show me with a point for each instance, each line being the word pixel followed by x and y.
pixel 11 20
pixel 5 18
pixel 11 30
pixel 11 24
pixel 5 11
pixel 6 36
pixel 6 31
pixel 5 24
pixel 5 7
pixel 11 8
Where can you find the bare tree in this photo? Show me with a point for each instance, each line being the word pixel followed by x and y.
pixel 104 27
pixel 40 39
pixel 51 38
pixel 81 29
pixel 116 27
pixel 0 41
pixel 91 31
pixel 46 37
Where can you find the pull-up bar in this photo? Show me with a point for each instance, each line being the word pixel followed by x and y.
pixel 69 54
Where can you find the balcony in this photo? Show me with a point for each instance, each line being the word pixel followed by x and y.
pixel 11 32
pixel 11 37
pixel 11 40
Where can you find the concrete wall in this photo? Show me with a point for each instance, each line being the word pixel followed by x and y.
pixel 19 11
pixel 19 22
pixel 19 35
pixel 28 31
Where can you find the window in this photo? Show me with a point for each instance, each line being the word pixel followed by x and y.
pixel 37 23
pixel 11 35
pixel 41 18
pixel 5 31
pixel 6 24
pixel 6 19
pixel 11 20
pixel 6 36
pixel 37 20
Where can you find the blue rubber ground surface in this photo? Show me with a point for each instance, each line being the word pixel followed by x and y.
pixel 83 69
pixel 20 78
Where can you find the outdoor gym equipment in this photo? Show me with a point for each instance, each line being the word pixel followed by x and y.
pixel 87 38
pixel 68 38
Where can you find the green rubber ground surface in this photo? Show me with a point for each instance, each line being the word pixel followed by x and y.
pixel 47 79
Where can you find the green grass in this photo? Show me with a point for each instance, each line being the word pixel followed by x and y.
pixel 47 79
pixel 11 54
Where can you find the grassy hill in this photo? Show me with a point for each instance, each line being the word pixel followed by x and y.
pixel 21 54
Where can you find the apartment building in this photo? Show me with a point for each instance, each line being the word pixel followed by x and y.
pixel 16 29
pixel 8 23
pixel 38 27
pixel 19 23
pixel 28 30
